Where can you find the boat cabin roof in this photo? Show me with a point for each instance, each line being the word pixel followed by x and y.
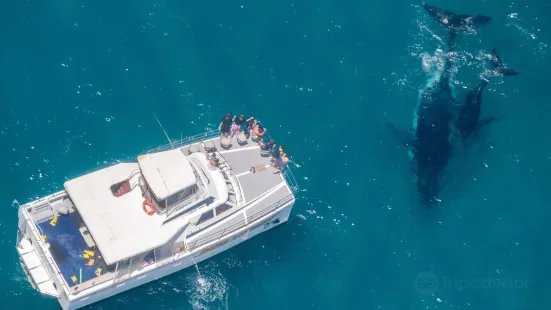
pixel 166 173
pixel 118 224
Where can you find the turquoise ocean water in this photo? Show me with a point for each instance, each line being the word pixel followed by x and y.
pixel 79 81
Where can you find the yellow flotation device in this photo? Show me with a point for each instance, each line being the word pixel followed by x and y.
pixel 87 254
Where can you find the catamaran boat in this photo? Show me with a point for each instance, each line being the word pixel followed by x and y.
pixel 114 229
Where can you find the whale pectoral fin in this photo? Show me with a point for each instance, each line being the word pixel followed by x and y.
pixel 482 124
pixel 405 137
pixel 441 15
pixel 476 20
pixel 487 121
pixel 500 67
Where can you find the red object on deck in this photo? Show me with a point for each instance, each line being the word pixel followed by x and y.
pixel 125 188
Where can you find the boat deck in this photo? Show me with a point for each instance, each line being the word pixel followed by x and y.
pixel 67 246
pixel 241 157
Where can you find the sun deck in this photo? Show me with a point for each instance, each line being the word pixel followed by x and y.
pixel 78 259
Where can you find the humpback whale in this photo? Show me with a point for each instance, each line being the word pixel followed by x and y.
pixel 435 114
pixel 468 119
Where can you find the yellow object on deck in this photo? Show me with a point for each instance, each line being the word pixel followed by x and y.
pixel 84 255
pixel 43 237
pixel 54 221
pixel 74 279
pixel 90 262
pixel 90 253
pixel 98 272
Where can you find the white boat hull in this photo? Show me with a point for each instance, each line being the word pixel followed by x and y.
pixel 180 264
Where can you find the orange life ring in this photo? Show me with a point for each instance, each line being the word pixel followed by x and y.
pixel 148 207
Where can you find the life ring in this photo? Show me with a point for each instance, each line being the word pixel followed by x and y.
pixel 148 207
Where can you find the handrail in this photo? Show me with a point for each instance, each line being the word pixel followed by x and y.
pixel 286 172
pixel 186 141
pixel 231 176
pixel 53 272
pixel 290 178
pixel 241 224
pixel 132 173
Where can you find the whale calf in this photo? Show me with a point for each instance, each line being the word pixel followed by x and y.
pixel 468 119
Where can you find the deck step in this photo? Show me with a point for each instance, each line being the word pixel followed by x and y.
pixel 39 274
pixel 31 260
pixel 48 288
pixel 24 247
pixel 34 269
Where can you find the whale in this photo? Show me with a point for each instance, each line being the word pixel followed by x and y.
pixel 468 120
pixel 431 146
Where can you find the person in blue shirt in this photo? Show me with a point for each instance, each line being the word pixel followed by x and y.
pixel 277 154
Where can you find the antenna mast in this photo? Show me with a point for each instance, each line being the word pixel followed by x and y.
pixel 169 141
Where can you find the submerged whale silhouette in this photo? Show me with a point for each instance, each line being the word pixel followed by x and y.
pixel 434 117
pixel 468 120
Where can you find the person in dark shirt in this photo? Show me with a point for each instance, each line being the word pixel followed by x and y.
pixel 277 153
pixel 237 123
pixel 268 146
pixel 224 126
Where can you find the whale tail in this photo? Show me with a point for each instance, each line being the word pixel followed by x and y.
pixel 500 67
pixel 456 22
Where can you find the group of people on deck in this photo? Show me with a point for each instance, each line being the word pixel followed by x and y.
pixel 231 126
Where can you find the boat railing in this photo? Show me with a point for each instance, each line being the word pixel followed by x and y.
pixel 186 141
pixel 228 171
pixel 286 172
pixel 133 173
pixel 290 179
pixel 47 261
pixel 241 224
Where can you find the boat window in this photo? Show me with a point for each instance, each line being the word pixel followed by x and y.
pixel 222 208
pixel 205 216
pixel 178 197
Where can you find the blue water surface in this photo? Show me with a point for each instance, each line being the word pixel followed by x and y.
pixel 79 81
